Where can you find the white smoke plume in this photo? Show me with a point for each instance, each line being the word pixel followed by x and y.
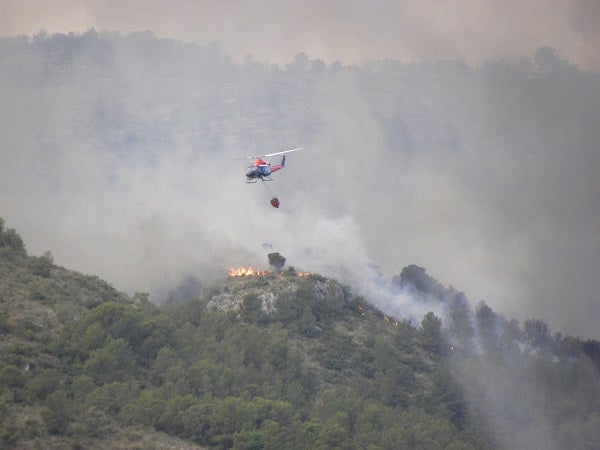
pixel 113 151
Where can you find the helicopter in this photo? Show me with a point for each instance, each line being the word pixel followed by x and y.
pixel 262 170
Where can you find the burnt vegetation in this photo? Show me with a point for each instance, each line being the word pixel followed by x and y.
pixel 274 361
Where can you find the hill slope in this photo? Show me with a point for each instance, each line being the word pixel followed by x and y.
pixel 278 360
pixel 275 361
pixel 38 405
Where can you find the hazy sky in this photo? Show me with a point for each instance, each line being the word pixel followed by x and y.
pixel 345 30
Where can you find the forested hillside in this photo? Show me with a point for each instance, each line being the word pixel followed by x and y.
pixel 281 360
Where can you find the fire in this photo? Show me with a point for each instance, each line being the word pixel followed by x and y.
pixel 246 272
pixel 252 272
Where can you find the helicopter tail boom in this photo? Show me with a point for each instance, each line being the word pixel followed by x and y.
pixel 278 166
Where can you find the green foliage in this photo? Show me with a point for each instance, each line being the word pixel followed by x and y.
pixel 537 333
pixel 57 412
pixel 42 265
pixel 81 386
pixel 290 272
pixel 276 261
pixel 113 362
pixel 12 377
pixel 9 430
pixel 460 325
pixel 307 323
pixel 432 338
pixel 252 309
pixel 110 398
pixel 486 321
pixel 11 244
pixel 45 384
pixel 417 278
pixel 322 370
pixel 5 327
pixel 335 353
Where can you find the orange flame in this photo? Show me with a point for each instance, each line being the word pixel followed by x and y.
pixel 246 272
pixel 251 272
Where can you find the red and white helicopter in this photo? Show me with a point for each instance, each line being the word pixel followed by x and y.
pixel 262 170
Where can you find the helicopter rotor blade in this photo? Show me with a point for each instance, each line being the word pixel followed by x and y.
pixel 273 154
pixel 285 151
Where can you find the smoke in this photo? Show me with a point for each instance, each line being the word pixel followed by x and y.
pixel 120 155
pixel 513 415
pixel 117 157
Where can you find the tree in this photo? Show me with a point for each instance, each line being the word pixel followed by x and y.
pixel 12 377
pixel 113 362
pixel 432 337
pixel 459 322
pixel 110 398
pixel 276 261
pixel 5 326
pixel 9 428
pixel 416 278
pixel 57 413
pixel 510 337
pixel 549 64
pixel 591 348
pixel 11 241
pixel 335 431
pixel 445 398
pixel 537 333
pixel 45 384
pixel 42 265
pixel 251 308
pixel 486 326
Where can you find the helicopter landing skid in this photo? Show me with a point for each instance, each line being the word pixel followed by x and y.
pixel 254 180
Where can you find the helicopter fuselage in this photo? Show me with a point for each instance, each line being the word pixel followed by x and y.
pixel 262 170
